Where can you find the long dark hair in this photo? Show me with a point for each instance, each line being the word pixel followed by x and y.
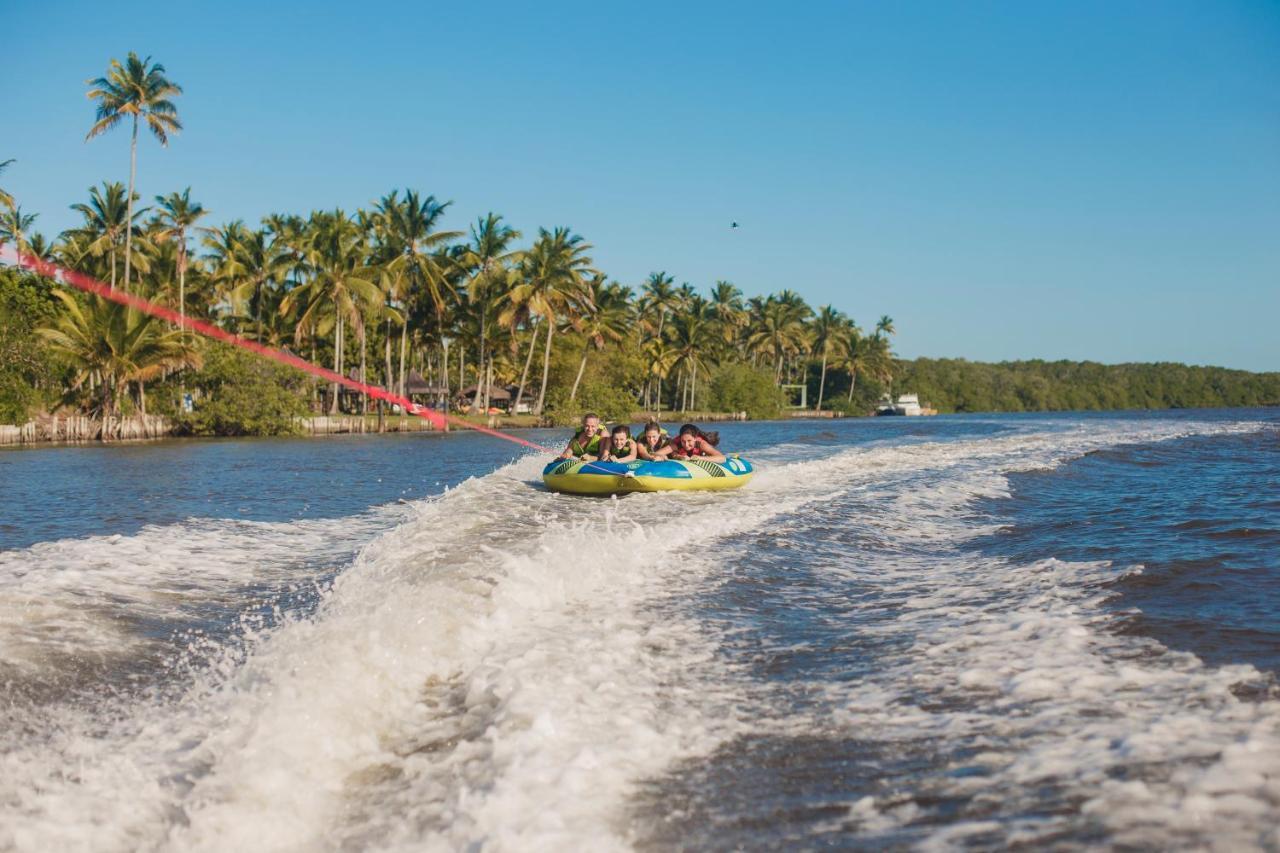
pixel 711 438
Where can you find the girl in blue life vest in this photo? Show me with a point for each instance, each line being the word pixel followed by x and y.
pixel 653 443
pixel 619 446
pixel 586 441
pixel 693 443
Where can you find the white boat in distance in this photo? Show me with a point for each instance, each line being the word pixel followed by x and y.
pixel 908 404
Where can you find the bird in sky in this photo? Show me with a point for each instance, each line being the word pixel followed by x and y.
pixel 733 225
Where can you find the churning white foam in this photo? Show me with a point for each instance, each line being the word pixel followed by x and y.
pixel 494 673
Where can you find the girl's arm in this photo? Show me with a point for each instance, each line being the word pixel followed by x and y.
pixel 631 454
pixel 712 454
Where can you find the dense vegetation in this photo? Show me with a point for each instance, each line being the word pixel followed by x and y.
pixel 386 291
pixel 956 385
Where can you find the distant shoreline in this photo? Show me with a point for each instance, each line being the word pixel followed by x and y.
pixel 401 425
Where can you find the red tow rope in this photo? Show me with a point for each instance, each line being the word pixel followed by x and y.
pixel 83 282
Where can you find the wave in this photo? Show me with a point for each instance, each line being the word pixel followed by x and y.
pixel 505 666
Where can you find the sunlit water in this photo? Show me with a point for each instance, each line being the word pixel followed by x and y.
pixel 904 633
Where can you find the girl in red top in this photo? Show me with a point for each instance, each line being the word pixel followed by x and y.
pixel 694 443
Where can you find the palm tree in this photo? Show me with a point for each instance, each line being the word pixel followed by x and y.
pixel 693 333
pixel 885 325
pixel 880 356
pixel 108 217
pixel 341 290
pixel 488 256
pixel 856 355
pixel 14 225
pixel 728 311
pixel 177 216
pixel 415 272
pixel 117 345
pixel 605 318
pixel 6 199
pixel 226 268
pixel 138 89
pixel 41 249
pixel 778 329
pixel 658 294
pixel 551 286
pixel 826 330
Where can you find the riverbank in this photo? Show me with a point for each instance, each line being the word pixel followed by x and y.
pixel 80 429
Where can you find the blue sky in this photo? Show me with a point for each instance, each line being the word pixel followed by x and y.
pixel 1007 180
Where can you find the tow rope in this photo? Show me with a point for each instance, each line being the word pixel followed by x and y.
pixel 80 281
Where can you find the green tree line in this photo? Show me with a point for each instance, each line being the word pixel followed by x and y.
pixel 388 290
pixel 957 385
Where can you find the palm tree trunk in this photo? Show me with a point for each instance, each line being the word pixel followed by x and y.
pixel 128 217
pixel 142 398
pixel 822 383
pixel 337 365
pixel 488 384
pixel 444 370
pixel 853 380
pixel 524 377
pixel 182 283
pixel 404 344
pixel 582 365
pixel 462 366
pixel 482 388
pixel 364 376
pixel 386 357
pixel 546 366
pixel 693 389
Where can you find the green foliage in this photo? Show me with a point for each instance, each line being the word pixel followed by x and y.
pixel 238 393
pixel 741 388
pixel 26 369
pixel 610 402
pixel 957 385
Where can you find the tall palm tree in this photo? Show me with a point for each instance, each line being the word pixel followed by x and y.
pixel 417 273
pixel 729 313
pixel 262 265
pixel 226 269
pixel 885 326
pixel 118 345
pixel 551 285
pixel 778 329
pixel 137 89
pixel 605 318
pixel 487 257
pixel 693 335
pixel 342 289
pixel 658 295
pixel 880 357
pixel 177 217
pixel 827 335
pixel 856 355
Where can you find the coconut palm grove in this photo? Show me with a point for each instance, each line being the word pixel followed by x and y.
pixel 481 316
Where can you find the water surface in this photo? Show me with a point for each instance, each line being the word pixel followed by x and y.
pixel 904 633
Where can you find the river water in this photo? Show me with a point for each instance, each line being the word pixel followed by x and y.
pixel 934 633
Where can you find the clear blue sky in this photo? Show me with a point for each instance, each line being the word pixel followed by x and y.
pixel 1009 180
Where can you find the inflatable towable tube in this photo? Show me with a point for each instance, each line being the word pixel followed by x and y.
pixel 575 477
